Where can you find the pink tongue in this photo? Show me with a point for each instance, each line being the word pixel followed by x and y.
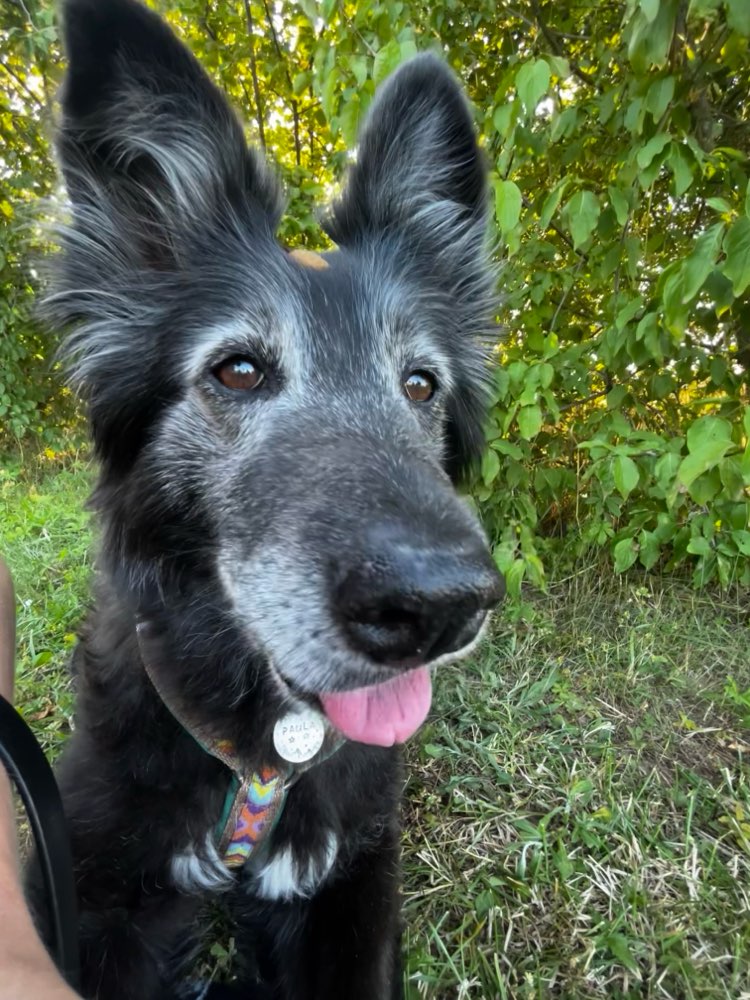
pixel 383 714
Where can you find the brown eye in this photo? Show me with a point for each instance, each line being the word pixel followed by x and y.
pixel 419 386
pixel 239 373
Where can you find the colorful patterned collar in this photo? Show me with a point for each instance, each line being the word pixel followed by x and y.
pixel 254 800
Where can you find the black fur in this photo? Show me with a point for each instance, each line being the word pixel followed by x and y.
pixel 244 526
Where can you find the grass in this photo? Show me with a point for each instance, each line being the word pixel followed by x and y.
pixel 577 816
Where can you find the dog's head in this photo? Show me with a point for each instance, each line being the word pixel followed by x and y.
pixel 286 428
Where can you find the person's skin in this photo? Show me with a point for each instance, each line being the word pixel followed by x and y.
pixel 26 970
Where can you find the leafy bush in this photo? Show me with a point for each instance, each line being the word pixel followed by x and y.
pixel 618 138
pixel 32 401
pixel 621 192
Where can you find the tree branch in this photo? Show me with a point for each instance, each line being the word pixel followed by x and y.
pixel 560 232
pixel 293 101
pixel 29 93
pixel 254 75
pixel 553 40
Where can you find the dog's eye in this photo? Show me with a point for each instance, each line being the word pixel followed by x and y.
pixel 420 386
pixel 238 373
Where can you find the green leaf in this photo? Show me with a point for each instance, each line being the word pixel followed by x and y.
pixel 620 204
pixel 532 83
pixel 408 48
pixel 490 466
pixel 737 250
pixel 660 93
pixel 329 92
pixel 349 119
pixel 653 147
pixel 738 16
pixel 502 119
pixel 649 549
pixel 508 448
pixel 625 553
pixel 508 202
pixel 719 205
pixel 514 577
pixel 626 475
pixel 301 82
pixel 582 215
pixel 699 546
pixel 387 59
pixel 703 458
pixel 615 396
pixel 359 67
pixel 551 203
pixel 546 374
pixel 529 421
pixel 701 261
pixel 681 165
pixel 706 429
pixel 705 488
pixel 559 65
pixel 650 41
pixel 327 8
pixel 741 539
pixel 730 471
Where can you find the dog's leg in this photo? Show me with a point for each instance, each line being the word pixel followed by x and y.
pixel 342 944
pixel 351 938
pixel 137 932
pixel 132 951
pixel 137 954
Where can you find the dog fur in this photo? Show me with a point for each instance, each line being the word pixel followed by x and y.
pixel 243 525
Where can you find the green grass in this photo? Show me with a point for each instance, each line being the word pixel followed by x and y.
pixel 577 819
pixel 46 541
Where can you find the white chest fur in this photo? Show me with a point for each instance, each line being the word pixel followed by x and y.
pixel 199 869
pixel 285 875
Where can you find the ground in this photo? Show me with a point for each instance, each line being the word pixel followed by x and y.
pixel 577 813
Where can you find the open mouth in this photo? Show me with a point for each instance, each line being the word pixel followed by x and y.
pixel 390 711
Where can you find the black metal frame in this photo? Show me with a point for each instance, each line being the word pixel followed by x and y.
pixel 32 775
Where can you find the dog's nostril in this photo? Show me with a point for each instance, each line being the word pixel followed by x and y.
pixel 386 634
pixel 412 605
pixel 388 617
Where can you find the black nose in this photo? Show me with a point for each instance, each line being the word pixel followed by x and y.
pixel 406 604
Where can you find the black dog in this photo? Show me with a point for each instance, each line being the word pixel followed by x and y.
pixel 284 556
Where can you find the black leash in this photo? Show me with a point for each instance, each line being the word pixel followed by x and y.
pixel 32 775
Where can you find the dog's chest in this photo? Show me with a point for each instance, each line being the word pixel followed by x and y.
pixel 286 871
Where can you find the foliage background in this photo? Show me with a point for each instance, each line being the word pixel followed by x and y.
pixel 578 812
pixel 618 139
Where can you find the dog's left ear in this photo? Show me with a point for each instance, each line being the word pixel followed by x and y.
pixel 419 172
pixel 416 202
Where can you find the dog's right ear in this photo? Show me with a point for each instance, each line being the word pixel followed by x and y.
pixel 146 135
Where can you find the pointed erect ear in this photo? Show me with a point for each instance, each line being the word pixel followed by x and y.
pixel 418 164
pixel 416 204
pixel 145 132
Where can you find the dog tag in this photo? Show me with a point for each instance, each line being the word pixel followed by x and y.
pixel 299 735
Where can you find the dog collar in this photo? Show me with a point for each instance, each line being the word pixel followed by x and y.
pixel 255 799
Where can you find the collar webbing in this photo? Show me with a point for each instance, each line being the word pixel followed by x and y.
pixel 255 799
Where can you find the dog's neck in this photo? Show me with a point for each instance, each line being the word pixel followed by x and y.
pixel 255 798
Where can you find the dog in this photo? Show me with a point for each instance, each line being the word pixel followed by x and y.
pixel 284 557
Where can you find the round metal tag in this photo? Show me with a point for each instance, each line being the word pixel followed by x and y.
pixel 299 735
